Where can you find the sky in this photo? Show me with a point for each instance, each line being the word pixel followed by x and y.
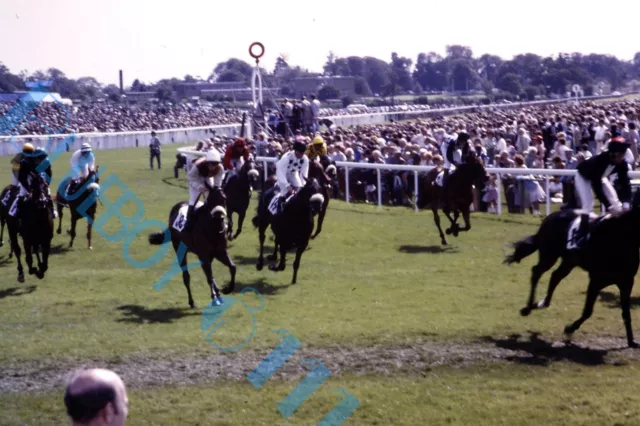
pixel 151 40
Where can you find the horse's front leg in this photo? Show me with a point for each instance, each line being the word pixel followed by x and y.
pixel 29 258
pixel 72 231
pixel 60 210
pixel 2 222
pixel 225 259
pixel 206 267
pixel 230 236
pixel 241 216
pixel 43 265
pixel 436 219
pixel 15 248
pixel 261 237
pixel 466 217
pixel 323 212
pixel 89 228
pixel 283 257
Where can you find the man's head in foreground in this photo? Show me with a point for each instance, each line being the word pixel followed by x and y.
pixel 96 397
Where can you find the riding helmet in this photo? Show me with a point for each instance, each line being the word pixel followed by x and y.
pixel 299 146
pixel 318 140
pixel 213 156
pixel 27 147
pixel 239 142
pixel 618 145
pixel 85 147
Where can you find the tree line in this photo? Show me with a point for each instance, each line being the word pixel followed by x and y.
pixel 526 75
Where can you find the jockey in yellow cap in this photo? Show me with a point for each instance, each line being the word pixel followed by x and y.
pixel 316 149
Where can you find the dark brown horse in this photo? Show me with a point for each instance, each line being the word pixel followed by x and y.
pixel 238 192
pixel 86 188
pixel 207 240
pixel 456 197
pixel 317 172
pixel 6 199
pixel 34 223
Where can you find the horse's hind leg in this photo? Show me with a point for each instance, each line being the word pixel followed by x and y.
pixel 592 295
pixel 72 231
pixel 15 247
pixel 467 220
pixel 558 275
pixel 323 212
pixel 186 277
pixel 625 302
pixel 89 227
pixel 225 259
pixel 2 222
pixel 230 236
pixel 44 265
pixel 544 264
pixel 29 258
pixel 274 256
pixel 436 219
pixel 283 257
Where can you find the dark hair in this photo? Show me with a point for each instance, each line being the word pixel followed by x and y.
pixel 85 406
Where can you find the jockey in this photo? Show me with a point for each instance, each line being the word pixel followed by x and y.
pixel 82 161
pixel 29 163
pixel 317 149
pixel 452 154
pixel 235 156
pixel 595 173
pixel 205 174
pixel 16 161
pixel 292 171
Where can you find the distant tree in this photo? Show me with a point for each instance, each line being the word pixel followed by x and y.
pixel 328 92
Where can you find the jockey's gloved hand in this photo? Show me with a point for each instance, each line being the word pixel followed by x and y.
pixel 626 206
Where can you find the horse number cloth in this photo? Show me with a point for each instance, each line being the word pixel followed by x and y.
pixel 440 179
pixel 574 239
pixel 181 218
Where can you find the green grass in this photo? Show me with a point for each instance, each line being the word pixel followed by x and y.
pixel 502 395
pixel 373 276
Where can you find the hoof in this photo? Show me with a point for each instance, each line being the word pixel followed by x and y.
pixel 90 247
pixel 32 271
pixel 217 301
pixel 59 231
pixel 275 268
pixel 228 289
pixel 40 275
pixel 525 311
pixel 542 304
pixel 444 242
pixel 1 243
pixel 448 231
pixel 192 305
pixel 633 344
pixel 272 257
pixel 21 278
pixel 259 266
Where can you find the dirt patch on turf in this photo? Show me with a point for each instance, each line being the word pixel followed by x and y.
pixel 140 371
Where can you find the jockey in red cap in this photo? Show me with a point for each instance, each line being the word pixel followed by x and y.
pixel 235 156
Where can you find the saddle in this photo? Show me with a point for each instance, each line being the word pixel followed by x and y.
pixel 12 192
pixel 581 229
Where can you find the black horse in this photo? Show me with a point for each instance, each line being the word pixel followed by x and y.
pixel 292 227
pixel 456 197
pixel 35 224
pixel 81 191
pixel 7 196
pixel 238 191
pixel 316 171
pixel 610 255
pixel 207 240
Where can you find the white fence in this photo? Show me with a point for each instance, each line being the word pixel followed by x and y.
pixel 10 145
pixel 499 172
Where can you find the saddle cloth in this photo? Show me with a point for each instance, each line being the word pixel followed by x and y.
pixel 574 239
pixel 440 177
pixel 275 206
pixel 181 218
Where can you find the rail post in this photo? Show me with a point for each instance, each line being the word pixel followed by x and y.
pixel 499 185
pixel 415 191
pixel 346 183
pixel 548 198
pixel 379 188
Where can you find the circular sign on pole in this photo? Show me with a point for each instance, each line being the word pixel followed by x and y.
pixel 576 88
pixel 254 55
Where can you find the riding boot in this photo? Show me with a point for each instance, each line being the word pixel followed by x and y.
pixel 445 178
pixel 190 219
pixel 583 229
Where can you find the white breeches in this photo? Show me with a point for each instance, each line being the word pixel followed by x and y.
pixel 294 179
pixel 236 164
pixel 14 180
pixel 583 189
pixel 197 188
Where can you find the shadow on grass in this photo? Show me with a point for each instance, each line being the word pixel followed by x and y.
pixel 137 314
pixel 17 291
pixel 612 300
pixel 262 286
pixel 5 260
pixel 61 248
pixel 173 182
pixel 427 249
pixel 543 353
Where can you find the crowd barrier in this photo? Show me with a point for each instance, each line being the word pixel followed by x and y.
pixel 546 174
pixel 9 145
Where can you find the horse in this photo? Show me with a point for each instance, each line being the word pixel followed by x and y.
pixel 84 189
pixel 317 172
pixel 610 256
pixel 292 227
pixel 207 240
pixel 35 224
pixel 456 196
pixel 6 199
pixel 238 191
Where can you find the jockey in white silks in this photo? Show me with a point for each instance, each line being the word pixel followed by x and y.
pixel 82 162
pixel 205 174
pixel 292 172
pixel 452 154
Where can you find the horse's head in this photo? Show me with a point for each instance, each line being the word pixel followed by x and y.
pixel 215 204
pixel 476 169
pixel 311 196
pixel 250 170
pixel 39 196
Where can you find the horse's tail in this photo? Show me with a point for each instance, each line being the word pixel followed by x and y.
pixel 523 248
pixel 157 239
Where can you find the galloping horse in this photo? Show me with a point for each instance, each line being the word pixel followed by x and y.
pixel 207 240
pixel 35 224
pixel 457 196
pixel 610 255
pixel 317 172
pixel 292 227
pixel 6 199
pixel 238 191
pixel 85 189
